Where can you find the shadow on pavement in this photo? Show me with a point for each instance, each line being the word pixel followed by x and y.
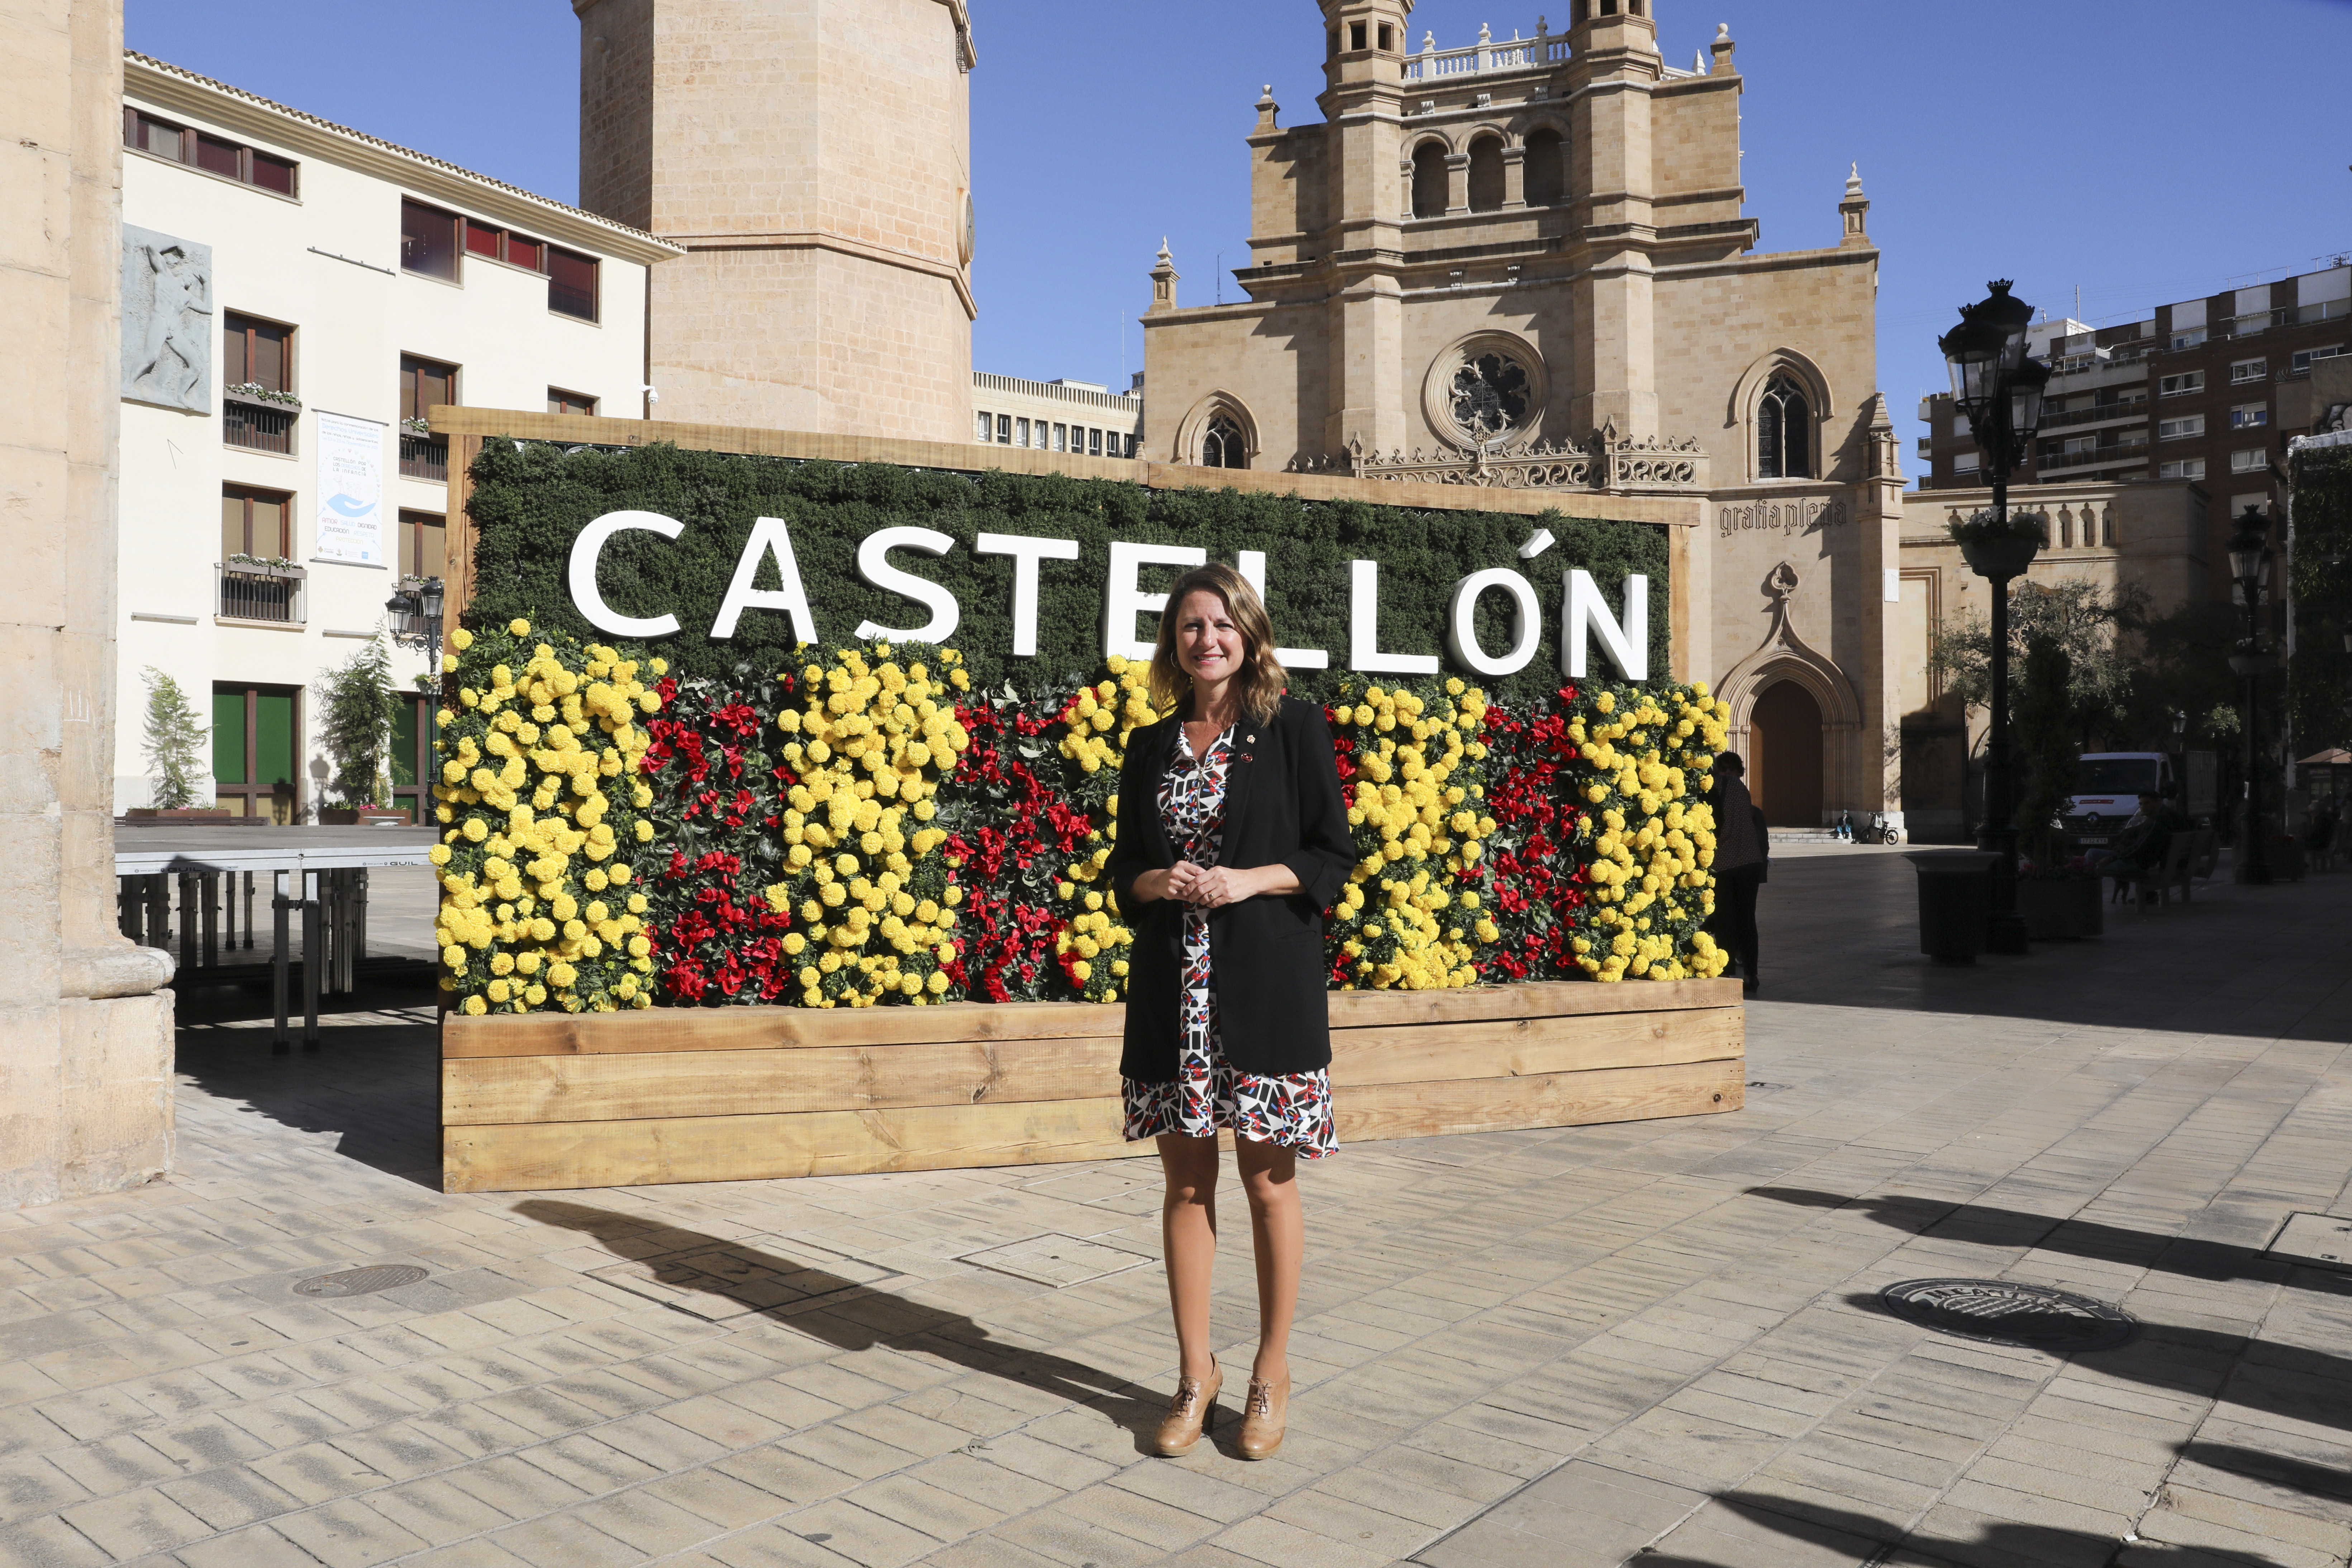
pixel 1845 932
pixel 1871 1540
pixel 1990 1227
pixel 373 1082
pixel 854 1317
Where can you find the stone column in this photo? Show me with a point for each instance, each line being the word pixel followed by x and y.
pixel 1515 176
pixel 1457 183
pixel 85 1036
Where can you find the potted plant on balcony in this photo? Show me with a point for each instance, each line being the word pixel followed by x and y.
pixel 2057 892
pixel 2001 547
pixel 240 565
pixel 254 392
pixel 359 706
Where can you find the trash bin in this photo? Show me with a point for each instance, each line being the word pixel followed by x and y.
pixel 1955 902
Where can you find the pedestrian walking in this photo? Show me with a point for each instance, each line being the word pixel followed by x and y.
pixel 1743 848
pixel 1234 841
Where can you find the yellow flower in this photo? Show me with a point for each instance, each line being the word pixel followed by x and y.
pixel 518 627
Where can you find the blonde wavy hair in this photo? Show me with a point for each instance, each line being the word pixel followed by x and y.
pixel 1259 681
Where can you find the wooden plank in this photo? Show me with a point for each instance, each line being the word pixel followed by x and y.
pixel 1553 1099
pixel 762 1147
pixel 1543 998
pixel 770 1029
pixel 658 1085
pixel 547 1157
pixel 601 1088
pixel 536 424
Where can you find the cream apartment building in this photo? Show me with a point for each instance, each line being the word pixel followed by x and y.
pixel 1061 416
pixel 297 295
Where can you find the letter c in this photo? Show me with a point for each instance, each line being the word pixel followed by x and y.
pixel 582 575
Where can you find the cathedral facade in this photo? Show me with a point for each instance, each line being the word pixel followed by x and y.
pixel 1526 263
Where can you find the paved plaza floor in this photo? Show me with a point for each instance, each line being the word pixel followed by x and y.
pixel 1657 1342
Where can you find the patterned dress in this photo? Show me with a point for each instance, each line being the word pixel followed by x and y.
pixel 1207 1092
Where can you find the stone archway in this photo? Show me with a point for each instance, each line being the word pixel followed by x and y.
pixel 1784 745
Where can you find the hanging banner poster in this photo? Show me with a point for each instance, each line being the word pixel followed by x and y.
pixel 350 490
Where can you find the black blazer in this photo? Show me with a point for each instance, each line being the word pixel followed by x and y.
pixel 1282 804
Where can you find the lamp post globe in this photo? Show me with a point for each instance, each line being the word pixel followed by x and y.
pixel 2001 391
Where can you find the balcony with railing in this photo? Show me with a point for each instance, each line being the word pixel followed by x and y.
pixel 258 426
pixel 1488 54
pixel 265 591
pixel 424 458
pixel 2098 413
pixel 2054 463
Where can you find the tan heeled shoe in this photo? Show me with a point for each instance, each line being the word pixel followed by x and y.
pixel 1191 1413
pixel 1265 1415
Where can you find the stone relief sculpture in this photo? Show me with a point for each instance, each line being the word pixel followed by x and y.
pixel 167 320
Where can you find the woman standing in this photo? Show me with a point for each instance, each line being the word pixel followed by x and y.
pixel 1234 841
pixel 1743 851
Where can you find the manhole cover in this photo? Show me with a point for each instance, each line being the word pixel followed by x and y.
pixel 361 1281
pixel 2005 1312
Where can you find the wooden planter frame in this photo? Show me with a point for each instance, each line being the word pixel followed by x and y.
pixel 546 1100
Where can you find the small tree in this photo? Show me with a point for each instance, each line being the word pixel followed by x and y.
pixel 360 706
pixel 2080 621
pixel 2046 741
pixel 173 744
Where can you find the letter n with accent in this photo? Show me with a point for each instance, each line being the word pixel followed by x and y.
pixel 1627 643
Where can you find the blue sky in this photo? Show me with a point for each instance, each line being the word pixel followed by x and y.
pixel 2144 151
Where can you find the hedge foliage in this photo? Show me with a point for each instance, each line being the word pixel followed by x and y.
pixel 2320 674
pixel 532 499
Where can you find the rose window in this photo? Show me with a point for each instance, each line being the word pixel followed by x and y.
pixel 1490 396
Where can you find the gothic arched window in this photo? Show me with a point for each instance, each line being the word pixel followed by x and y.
pixel 1784 432
pixel 1429 182
pixel 1543 168
pixel 1486 175
pixel 1222 447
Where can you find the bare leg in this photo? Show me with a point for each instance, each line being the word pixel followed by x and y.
pixel 1278 1229
pixel 1188 1233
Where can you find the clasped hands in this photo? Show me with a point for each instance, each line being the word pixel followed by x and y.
pixel 1205 887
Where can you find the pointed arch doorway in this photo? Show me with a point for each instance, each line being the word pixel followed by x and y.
pixel 1784 743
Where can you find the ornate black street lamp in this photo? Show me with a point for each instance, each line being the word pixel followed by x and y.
pixel 416 609
pixel 2000 390
pixel 2250 563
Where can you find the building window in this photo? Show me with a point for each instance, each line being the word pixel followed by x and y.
pixel 1965 462
pixel 2247 415
pixel 1004 429
pixel 1094 443
pixel 212 154
pixel 412 756
pixel 1020 432
pixel 2175 385
pixel 2181 468
pixel 983 427
pixel 428 240
pixel 1356 39
pixel 423 384
pixel 257 738
pixel 1486 175
pixel 1061 438
pixel 2247 370
pixel 505 245
pixel 2253 460
pixel 1222 447
pixel 2190 339
pixel 1543 169
pixel 255 353
pixel 424 541
pixel 1429 180
pixel 571 284
pixel 1388 38
pixel 255 522
pixel 561 401
pixel 1784 432
pixel 2302 357
pixel 2180 430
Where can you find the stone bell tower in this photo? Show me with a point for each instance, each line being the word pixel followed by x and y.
pixel 814 158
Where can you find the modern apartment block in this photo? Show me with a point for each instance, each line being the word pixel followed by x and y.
pixel 1080 416
pixel 297 297
pixel 2204 390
